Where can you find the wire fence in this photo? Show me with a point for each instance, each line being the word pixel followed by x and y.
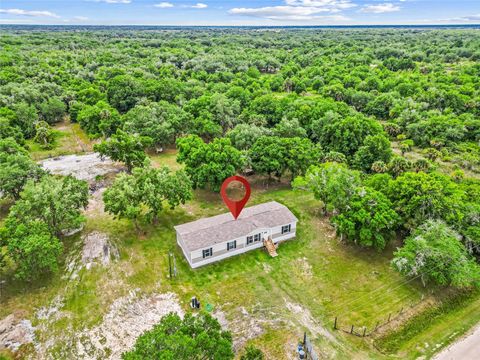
pixel 365 331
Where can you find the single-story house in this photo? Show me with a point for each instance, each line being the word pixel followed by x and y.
pixel 208 240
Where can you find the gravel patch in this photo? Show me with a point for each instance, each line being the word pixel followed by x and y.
pixel 15 332
pixel 83 167
pixel 97 249
pixel 128 318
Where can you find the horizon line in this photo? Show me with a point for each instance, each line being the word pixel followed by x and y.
pixel 253 26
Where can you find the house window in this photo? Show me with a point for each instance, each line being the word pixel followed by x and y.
pixel 232 245
pixel 286 229
pixel 207 253
pixel 254 238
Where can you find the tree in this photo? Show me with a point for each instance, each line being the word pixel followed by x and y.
pixel 422 165
pixel 243 136
pixel 123 92
pixel 55 201
pixel 435 254
pixel 289 128
pixel 33 249
pixel 333 156
pixel 421 196
pixel 43 134
pixel 252 353
pixel 368 220
pixel 52 110
pixel 432 154
pixel 9 131
pixel 374 148
pixel 162 122
pixel 25 119
pixel 160 186
pixel 90 96
pixel 126 148
pixel 406 146
pixel 446 129
pixel 398 165
pixel 344 134
pixel 208 165
pixel 124 200
pixel 301 154
pixel 99 119
pixel 379 167
pixel 16 168
pixel 268 155
pixel 144 193
pixel 332 183
pixel 381 105
pixel 194 337
pixel 275 155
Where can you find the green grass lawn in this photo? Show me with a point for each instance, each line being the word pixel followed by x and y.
pixel 315 278
pixel 69 139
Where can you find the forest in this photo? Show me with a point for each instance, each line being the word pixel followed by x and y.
pixel 379 129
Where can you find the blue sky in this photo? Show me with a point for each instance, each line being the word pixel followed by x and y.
pixel 239 12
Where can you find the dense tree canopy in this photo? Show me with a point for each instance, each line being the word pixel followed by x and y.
pixel 434 253
pixel 55 201
pixel 16 168
pixel 400 106
pixel 420 196
pixel 126 148
pixel 208 164
pixel 144 193
pixel 33 249
pixel 194 337
pixel 162 122
pixel 369 219
pixel 99 119
pixel 332 183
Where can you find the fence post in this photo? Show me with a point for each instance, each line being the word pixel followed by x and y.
pixel 335 324
pixel 351 330
pixel 364 330
pixel 389 316
pixel 170 265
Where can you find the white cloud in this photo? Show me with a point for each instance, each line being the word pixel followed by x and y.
pixel 471 18
pixel 299 10
pixel 15 21
pixel 380 8
pixel 20 12
pixel 80 18
pixel 199 6
pixel 461 19
pixel 336 4
pixel 113 1
pixel 164 5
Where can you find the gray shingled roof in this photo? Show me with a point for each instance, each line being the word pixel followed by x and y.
pixel 217 229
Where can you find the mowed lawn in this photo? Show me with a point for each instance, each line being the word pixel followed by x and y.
pixel 266 301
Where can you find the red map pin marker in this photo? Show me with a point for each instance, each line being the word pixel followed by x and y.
pixel 235 207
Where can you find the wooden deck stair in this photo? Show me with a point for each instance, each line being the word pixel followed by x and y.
pixel 270 246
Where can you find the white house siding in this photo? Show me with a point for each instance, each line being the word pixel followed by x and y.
pixel 182 246
pixel 220 251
